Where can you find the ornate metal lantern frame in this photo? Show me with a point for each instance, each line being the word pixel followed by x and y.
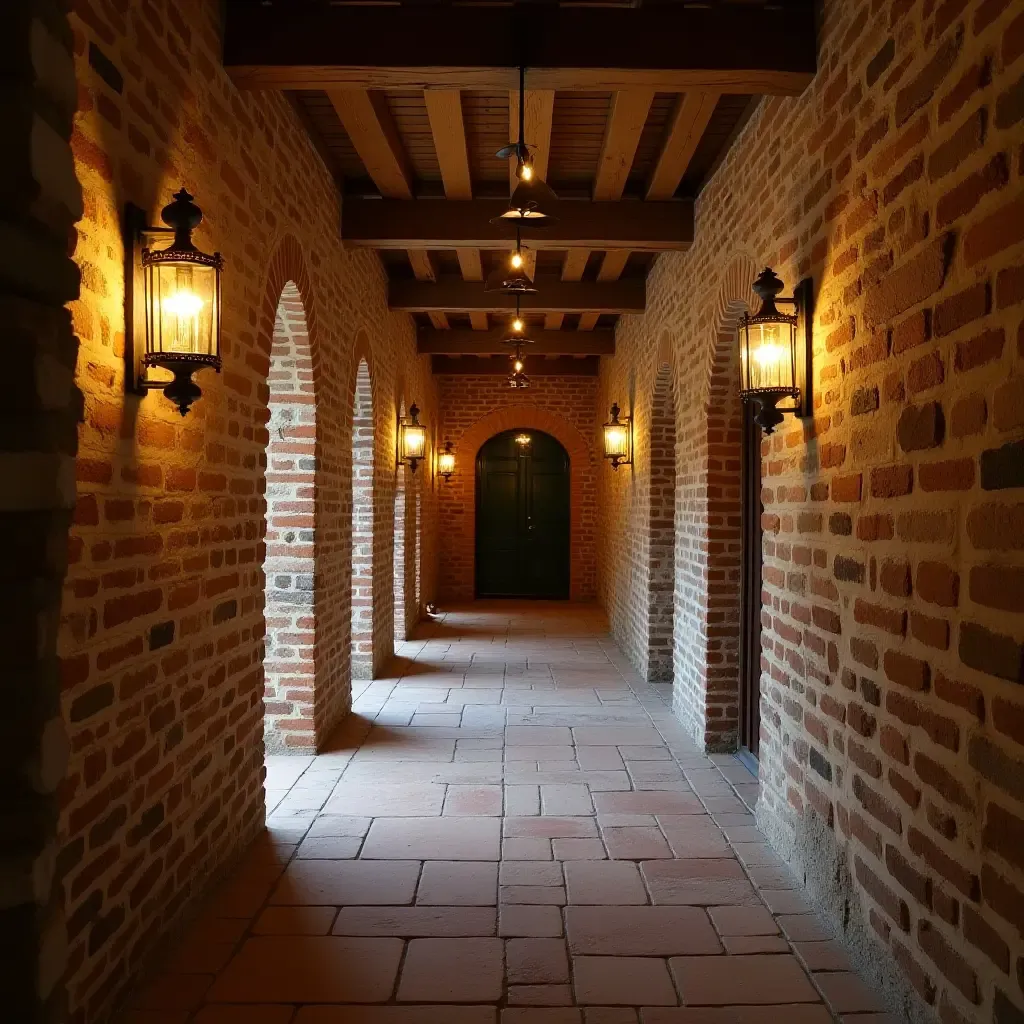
pixel 412 439
pixel 618 438
pixel 446 462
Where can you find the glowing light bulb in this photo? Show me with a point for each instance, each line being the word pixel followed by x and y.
pixel 518 366
pixel 517 260
pixel 769 355
pixel 525 172
pixel 183 304
pixel 517 324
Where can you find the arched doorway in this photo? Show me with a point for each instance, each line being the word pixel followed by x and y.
pixel 661 552
pixel 289 565
pixel 522 516
pixel 362 524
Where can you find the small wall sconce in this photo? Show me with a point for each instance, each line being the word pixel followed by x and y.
pixel 775 352
pixel 618 439
pixel 523 440
pixel 412 438
pixel 446 462
pixel 173 302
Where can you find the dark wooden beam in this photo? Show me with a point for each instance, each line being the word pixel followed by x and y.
pixel 567 343
pixel 453 295
pixel 737 48
pixel 563 366
pixel 582 224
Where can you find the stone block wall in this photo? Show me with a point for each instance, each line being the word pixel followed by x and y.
pixel 163 628
pixel 892 743
pixel 474 409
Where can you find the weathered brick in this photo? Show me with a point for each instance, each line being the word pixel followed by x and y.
pixel 920 427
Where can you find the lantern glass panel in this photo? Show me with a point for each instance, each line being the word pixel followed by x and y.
pixel 183 308
pixel 414 441
pixel 446 463
pixel 616 439
pixel 768 356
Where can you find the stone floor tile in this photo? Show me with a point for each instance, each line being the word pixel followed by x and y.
pixel 578 849
pixel 395 1015
pixel 635 843
pixel 729 980
pixel 452 970
pixel 798 1013
pixel 539 1016
pixel 522 800
pixel 622 981
pixel 544 827
pixel 433 839
pixel 540 995
pixel 533 735
pixel 599 758
pixel 310 969
pixel 653 801
pixel 639 931
pixel 823 956
pixel 539 752
pixel 244 1015
pixel 473 800
pixel 535 961
pixel 321 882
pixel 531 872
pixel 329 848
pixel 415 922
pixel 805 927
pixel 565 800
pixel 743 921
pixel 845 992
pixel 549 895
pixel 698 882
pixel 458 883
pixel 786 901
pixel 393 799
pixel 617 736
pixel 755 944
pixel 526 849
pixel 603 883
pixel 529 920
pixel 609 1015
pixel 295 921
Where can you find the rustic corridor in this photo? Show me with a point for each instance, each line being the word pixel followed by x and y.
pixel 513 820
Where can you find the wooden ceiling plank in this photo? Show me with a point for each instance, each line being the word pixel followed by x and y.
pixel 479 322
pixel 450 295
pixel 423 265
pixel 574 264
pixel 622 135
pixel 438 224
pixel 539 114
pixel 613 264
pixel 444 111
pixel 470 264
pixel 553 321
pixel 692 114
pixel 439 320
pixel 748 48
pixel 545 342
pixel 368 123
pixel 588 321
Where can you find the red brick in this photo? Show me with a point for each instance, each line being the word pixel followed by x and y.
pixel 950 475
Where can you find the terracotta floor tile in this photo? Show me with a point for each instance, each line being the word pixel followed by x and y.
pixel 172 992
pixel 529 735
pixel 295 921
pixel 538 1016
pixel 550 895
pixel 395 1015
pixel 393 799
pixel 544 827
pixel 622 981
pixel 735 980
pixel 617 736
pixel 319 882
pixel 755 944
pixel 652 801
pixel 310 969
pixel 640 931
pixel 415 922
pixel 805 927
pixel 433 839
pixel 639 843
pixel 847 993
pixel 531 872
pixel 540 995
pixel 452 970
pixel 609 1015
pixel 244 1015
pixel 473 800
pixel 458 883
pixel 604 882
pixel 329 848
pixel 823 956
pixel 522 919
pixel 526 849
pixel 536 961
pixel 698 882
pixel 743 921
pixel 800 1013
pixel 578 849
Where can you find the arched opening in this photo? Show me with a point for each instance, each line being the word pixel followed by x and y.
pixel 522 516
pixel 661 549
pixel 290 534
pixel 362 524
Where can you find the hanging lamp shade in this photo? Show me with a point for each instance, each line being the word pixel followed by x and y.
pixel 510 275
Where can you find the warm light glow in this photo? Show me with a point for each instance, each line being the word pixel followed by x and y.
pixel 517 324
pixel 615 440
pixel 770 357
pixel 517 260
pixel 523 440
pixel 183 304
pixel 518 366
pixel 415 441
pixel 525 172
pixel 446 462
pixel 618 439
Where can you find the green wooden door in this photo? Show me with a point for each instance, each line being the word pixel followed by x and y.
pixel 522 517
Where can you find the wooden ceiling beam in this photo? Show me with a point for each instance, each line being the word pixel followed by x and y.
pixel 626 120
pixel 368 123
pixel 562 366
pixel 540 109
pixel 439 224
pixel 545 342
pixel 735 48
pixel 553 296
pixel 692 114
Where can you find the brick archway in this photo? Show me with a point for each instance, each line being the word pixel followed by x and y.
pixel 462 492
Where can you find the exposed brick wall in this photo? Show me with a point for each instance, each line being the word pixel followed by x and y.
pixel 893 634
pixel 289 565
pixel 474 409
pixel 661 537
pixel 163 627
pixel 41 201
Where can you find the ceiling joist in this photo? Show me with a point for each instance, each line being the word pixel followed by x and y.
pixel 582 224
pixel 561 366
pixel 563 343
pixel 455 296
pixel 736 48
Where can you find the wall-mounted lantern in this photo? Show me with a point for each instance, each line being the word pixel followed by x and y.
pixel 775 352
pixel 618 439
pixel 446 462
pixel 412 438
pixel 173 302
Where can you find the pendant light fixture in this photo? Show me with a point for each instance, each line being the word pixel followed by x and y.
pixel 517 378
pixel 510 275
pixel 532 202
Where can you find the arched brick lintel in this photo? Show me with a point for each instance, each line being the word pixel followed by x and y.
pixel 526 417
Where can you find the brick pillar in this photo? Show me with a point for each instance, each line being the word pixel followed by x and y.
pixel 661 548
pixel 362 526
pixel 291 478
pixel 40 201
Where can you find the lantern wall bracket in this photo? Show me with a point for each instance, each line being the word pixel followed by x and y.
pixel 802 301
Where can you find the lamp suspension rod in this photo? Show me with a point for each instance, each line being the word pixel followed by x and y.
pixel 522 107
